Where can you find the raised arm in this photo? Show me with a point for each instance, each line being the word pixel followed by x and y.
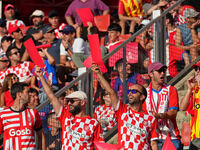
pixel 55 102
pixel 106 86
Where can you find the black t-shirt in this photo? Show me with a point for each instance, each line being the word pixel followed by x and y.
pixel 50 139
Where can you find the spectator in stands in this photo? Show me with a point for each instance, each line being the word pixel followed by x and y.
pixel 76 125
pixel 133 131
pixel 162 101
pixel 9 12
pixel 4 63
pixel 16 33
pixel 53 19
pixel 37 17
pixel 54 135
pixel 131 78
pixel 33 98
pixel 130 11
pixel 21 69
pixel 114 31
pixel 49 70
pixel 5 43
pixel 3 29
pixel 188 33
pixel 6 99
pixel 23 124
pixel 76 48
pixel 105 113
pixel 96 6
pixel 191 103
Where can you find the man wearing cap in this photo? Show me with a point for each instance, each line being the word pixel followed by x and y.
pixel 136 128
pixel 189 33
pixel 16 33
pixel 79 131
pixel 3 66
pixel 37 17
pixel 9 12
pixel 191 103
pixel 162 101
pixel 76 48
pixel 54 22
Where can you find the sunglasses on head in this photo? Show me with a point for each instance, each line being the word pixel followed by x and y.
pixel 196 68
pixel 133 91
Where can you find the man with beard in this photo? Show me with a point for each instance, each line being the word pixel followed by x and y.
pixel 79 131
pixel 37 17
pixel 136 128
pixel 162 101
pixel 18 124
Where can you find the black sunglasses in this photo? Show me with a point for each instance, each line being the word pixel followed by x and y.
pixel 161 70
pixel 134 91
pixel 15 53
pixel 196 68
pixel 71 101
pixel 14 78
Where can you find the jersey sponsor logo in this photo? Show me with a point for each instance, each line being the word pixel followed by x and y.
pixel 135 129
pixel 14 132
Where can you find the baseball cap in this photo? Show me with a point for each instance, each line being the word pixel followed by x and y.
pixel 12 28
pixel 197 64
pixel 68 29
pixel 189 12
pixel 53 13
pixel 2 23
pixel 37 13
pixel 8 6
pixel 46 29
pixel 77 94
pixel 3 57
pixel 155 66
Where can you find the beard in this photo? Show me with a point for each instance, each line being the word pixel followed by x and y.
pixel 134 101
pixel 76 110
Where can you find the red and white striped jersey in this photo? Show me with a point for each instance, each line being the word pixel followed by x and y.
pixel 22 70
pixel 2 76
pixel 135 129
pixel 107 116
pixel 79 132
pixel 19 23
pixel 18 128
pixel 162 101
pixel 57 31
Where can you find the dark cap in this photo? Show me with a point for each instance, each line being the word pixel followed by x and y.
pixel 68 29
pixel 2 23
pixel 53 13
pixel 155 66
pixel 47 29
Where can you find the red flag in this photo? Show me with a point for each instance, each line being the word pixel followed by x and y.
pixel 96 52
pixel 86 16
pixel 168 144
pixel 102 22
pixel 33 53
pixel 106 146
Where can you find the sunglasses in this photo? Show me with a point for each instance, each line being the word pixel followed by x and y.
pixel 14 78
pixel 196 68
pixel 15 53
pixel 133 91
pixel 161 70
pixel 71 101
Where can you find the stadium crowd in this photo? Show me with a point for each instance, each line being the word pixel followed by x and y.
pixel 39 59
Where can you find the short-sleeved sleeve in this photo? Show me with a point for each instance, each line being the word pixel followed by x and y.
pixel 98 133
pixel 173 98
pixel 1 125
pixel 154 134
pixel 38 122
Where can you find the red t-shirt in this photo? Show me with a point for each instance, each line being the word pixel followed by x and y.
pixel 135 129
pixel 79 132
pixel 18 128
